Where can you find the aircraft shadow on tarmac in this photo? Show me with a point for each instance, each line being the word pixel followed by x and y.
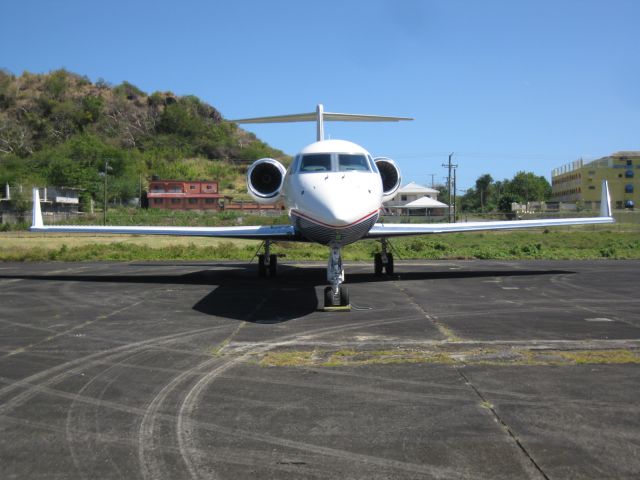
pixel 241 295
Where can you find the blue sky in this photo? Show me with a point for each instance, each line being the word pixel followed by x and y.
pixel 506 85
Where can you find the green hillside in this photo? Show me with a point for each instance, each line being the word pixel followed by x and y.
pixel 60 128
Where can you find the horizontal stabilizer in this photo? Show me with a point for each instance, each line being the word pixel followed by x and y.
pixel 320 116
pixel 298 117
pixel 327 116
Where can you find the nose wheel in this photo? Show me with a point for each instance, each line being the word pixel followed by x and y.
pixel 342 299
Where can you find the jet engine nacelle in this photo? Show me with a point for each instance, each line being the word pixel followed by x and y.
pixel 265 178
pixel 390 174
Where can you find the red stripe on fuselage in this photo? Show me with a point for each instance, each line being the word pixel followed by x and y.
pixel 368 215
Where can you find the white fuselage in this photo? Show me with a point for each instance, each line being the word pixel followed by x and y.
pixel 333 192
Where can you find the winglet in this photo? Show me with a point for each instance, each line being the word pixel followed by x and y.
pixel 605 200
pixel 36 212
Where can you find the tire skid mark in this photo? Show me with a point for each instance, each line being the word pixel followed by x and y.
pixel 74 328
pixel 232 456
pixel 187 449
pixel 152 465
pixel 185 424
pixel 264 438
pixel 69 431
pixel 378 394
pixel 62 371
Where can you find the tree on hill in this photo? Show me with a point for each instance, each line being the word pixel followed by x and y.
pixel 59 128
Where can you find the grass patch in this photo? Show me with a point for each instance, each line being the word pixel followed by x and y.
pixel 601 356
pixel 288 359
pixel 344 358
pixel 506 357
pixel 567 243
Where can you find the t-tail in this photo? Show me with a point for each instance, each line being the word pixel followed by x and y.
pixel 320 116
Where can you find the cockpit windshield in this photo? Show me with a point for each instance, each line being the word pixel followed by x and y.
pixel 327 162
pixel 316 162
pixel 347 162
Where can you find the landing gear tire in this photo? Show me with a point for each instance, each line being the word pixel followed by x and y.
pixel 273 265
pixel 328 297
pixel 377 264
pixel 344 296
pixel 262 268
pixel 389 266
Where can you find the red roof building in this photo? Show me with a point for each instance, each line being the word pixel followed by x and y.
pixel 181 195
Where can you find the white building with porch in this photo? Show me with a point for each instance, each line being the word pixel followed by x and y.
pixel 416 199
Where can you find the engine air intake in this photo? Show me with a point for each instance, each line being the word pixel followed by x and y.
pixel 390 174
pixel 264 180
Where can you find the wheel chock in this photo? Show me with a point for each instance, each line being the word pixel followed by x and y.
pixel 336 308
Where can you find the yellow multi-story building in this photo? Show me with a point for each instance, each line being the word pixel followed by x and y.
pixel 581 183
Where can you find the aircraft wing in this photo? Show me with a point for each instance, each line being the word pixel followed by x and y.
pixel 262 232
pixel 380 230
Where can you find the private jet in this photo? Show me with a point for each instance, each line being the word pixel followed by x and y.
pixel 334 192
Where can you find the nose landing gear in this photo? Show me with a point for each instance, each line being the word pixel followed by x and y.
pixel 336 297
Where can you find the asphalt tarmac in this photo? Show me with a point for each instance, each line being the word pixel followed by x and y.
pixel 448 369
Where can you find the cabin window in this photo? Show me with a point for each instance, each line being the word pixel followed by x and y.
pixel 350 162
pixel 628 188
pixel 316 162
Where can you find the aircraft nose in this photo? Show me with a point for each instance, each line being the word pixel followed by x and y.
pixel 338 200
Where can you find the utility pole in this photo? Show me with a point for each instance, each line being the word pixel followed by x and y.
pixel 432 181
pixel 449 165
pixel 455 205
pixel 104 209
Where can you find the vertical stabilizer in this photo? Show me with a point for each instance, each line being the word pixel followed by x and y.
pixel 319 122
pixel 36 212
pixel 605 200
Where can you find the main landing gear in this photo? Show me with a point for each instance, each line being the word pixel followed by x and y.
pixel 336 297
pixel 267 262
pixel 383 260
